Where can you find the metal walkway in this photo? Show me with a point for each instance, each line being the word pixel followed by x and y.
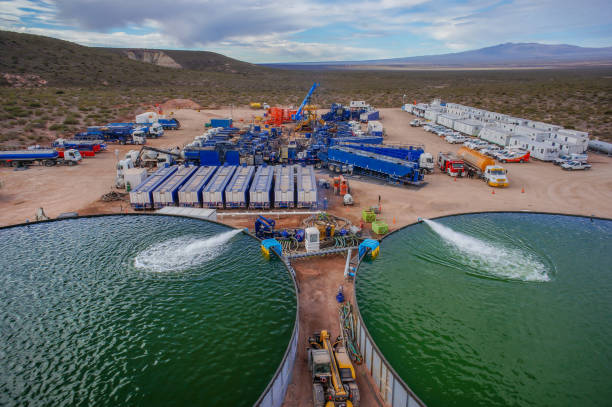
pixel 321 252
pixel 200 213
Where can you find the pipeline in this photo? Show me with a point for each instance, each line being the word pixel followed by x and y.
pixel 347 327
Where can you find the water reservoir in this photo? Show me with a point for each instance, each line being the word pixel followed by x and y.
pixel 495 309
pixel 139 310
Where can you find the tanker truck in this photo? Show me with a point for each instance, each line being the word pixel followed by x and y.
pixel 484 167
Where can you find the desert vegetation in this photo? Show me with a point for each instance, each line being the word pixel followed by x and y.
pixel 89 86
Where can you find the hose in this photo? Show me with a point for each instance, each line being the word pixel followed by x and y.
pixel 348 332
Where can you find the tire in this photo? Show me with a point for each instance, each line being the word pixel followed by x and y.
pixel 49 163
pixel 522 161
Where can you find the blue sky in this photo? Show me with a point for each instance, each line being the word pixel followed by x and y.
pixel 317 30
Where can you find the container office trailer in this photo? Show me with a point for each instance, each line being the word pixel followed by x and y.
pixel 496 135
pixel 447 120
pixel 166 193
pixel 142 196
pixel 237 191
pixel 213 193
pixel 306 187
pixel 284 186
pixel 470 127
pixel 543 150
pixel 190 194
pixel 260 194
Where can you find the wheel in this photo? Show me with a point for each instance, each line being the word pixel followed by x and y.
pixel 71 163
pixel 504 161
pixel 522 161
pixel 49 163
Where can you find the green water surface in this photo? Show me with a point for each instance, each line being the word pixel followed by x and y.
pixel 530 327
pixel 81 324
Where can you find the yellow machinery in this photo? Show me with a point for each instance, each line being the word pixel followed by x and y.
pixel 255 105
pixel 310 117
pixel 333 375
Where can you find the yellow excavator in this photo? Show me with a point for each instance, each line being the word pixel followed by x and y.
pixel 333 376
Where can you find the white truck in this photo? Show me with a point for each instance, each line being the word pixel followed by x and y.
pixel 426 162
pixel 571 157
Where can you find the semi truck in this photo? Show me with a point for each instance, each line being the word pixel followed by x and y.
pixel 123 134
pixel 46 157
pixel 485 167
pixel 451 164
pixel 333 376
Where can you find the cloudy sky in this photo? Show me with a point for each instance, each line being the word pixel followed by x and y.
pixel 313 30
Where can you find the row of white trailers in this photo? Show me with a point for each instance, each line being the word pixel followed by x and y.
pixel 544 144
pixel 228 187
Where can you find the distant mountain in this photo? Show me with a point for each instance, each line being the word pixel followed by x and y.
pixel 507 55
pixel 45 60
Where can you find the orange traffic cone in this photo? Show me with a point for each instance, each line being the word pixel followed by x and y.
pixel 394 220
pixel 492 192
pixel 455 178
pixel 523 190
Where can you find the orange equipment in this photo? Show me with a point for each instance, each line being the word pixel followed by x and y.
pixel 341 186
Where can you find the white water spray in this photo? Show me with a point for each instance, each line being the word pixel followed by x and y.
pixel 183 252
pixel 492 258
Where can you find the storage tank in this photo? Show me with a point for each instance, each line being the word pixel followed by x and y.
pixel 306 188
pixel 166 193
pixel 474 158
pixel 600 146
pixel 213 193
pixel 284 186
pixel 236 192
pixel 260 194
pixel 142 196
pixel 190 194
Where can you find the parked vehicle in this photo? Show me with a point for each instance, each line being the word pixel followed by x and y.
pixel 490 150
pixel 516 157
pixel 46 157
pixel 485 167
pixel 575 165
pixel 451 164
pixel 416 123
pixel 455 139
pixel 570 157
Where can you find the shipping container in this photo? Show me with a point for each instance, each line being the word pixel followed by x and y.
pixel 225 123
pixel 190 194
pixel 166 194
pixel 306 187
pixel 284 191
pixel 141 197
pixel 213 195
pixel 260 194
pixel 237 191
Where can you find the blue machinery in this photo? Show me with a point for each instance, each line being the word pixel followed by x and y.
pixel 299 115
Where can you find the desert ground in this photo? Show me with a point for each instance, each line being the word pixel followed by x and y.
pixel 546 187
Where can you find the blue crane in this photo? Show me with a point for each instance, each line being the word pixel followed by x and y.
pixel 299 115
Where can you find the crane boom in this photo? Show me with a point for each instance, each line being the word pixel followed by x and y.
pixel 299 114
pixel 335 371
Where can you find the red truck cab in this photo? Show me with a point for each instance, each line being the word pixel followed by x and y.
pixel 451 164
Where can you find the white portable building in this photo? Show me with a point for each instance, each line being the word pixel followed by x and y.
pixel 496 135
pixel 471 127
pixel 542 150
pixel 447 120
